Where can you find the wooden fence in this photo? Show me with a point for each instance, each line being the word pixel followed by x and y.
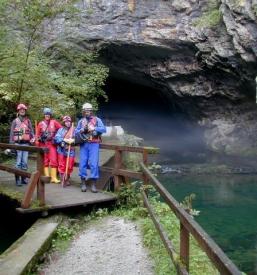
pixel 187 224
pixel 36 179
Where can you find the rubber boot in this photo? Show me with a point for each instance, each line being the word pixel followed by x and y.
pixel 54 175
pixel 67 181
pixel 17 180
pixel 83 185
pixel 62 180
pixel 46 171
pixel 93 186
pixel 24 180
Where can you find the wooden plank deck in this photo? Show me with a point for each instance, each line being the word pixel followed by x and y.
pixel 57 197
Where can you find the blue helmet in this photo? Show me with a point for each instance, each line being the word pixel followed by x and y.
pixel 47 111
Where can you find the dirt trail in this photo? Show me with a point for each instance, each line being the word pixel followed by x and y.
pixel 112 246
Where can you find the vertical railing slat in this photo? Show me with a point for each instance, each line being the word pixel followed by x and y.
pixel 30 189
pixel 184 246
pixel 117 165
pixel 40 184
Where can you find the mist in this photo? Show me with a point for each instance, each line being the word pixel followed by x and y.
pixel 145 113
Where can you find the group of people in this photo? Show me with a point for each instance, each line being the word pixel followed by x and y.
pixel 60 139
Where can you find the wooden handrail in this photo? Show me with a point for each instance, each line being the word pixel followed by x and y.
pixel 24 148
pixel 187 224
pixel 15 171
pixel 120 174
pixel 136 149
pixel 215 254
pixel 30 190
pixel 167 242
pixel 37 180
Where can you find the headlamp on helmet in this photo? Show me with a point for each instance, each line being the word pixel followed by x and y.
pixel 87 107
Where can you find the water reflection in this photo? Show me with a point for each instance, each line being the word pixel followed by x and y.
pixel 228 206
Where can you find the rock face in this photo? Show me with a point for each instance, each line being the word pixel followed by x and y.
pixel 201 54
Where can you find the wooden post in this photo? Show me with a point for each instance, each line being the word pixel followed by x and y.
pixel 30 189
pixel 117 166
pixel 145 179
pixel 145 157
pixel 184 246
pixel 40 184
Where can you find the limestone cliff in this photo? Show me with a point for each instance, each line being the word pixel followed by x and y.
pixel 201 54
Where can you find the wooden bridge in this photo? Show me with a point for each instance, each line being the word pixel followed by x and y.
pixel 51 196
pixel 40 196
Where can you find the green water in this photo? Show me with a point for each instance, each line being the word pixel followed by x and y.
pixel 228 206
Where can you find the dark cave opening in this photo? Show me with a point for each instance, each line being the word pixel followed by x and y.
pixel 148 114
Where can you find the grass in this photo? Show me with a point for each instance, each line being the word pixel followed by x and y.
pixel 209 19
pixel 130 207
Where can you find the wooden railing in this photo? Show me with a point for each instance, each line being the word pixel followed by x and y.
pixel 36 178
pixel 120 174
pixel 187 226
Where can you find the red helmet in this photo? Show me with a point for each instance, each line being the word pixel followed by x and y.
pixel 66 118
pixel 21 106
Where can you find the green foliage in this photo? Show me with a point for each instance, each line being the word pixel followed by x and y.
pixel 199 262
pixel 65 233
pixel 187 204
pixel 209 19
pixel 211 16
pixel 128 196
pixel 62 79
pixel 132 208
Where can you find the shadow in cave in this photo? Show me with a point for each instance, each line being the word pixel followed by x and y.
pixel 148 114
pixel 13 224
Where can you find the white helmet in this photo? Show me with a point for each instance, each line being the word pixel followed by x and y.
pixel 87 107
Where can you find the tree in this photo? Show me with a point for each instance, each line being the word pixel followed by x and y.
pixel 30 75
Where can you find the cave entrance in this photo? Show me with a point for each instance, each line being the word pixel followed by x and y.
pixel 148 114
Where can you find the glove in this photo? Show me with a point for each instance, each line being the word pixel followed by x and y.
pixel 7 152
pixel 91 128
pixel 69 140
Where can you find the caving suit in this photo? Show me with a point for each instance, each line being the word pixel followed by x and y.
pixel 46 131
pixel 89 150
pixel 62 150
pixel 21 133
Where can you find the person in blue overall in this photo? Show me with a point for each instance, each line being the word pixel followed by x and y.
pixel 88 135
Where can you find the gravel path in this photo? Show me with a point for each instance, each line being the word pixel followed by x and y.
pixel 112 246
